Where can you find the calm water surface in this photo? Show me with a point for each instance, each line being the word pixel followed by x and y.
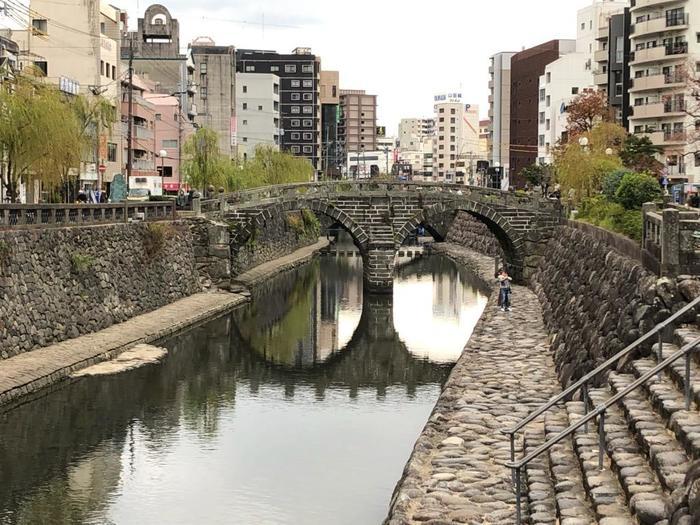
pixel 301 408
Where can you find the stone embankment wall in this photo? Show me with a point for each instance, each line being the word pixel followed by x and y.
pixel 596 300
pixel 470 232
pixel 281 235
pixel 57 284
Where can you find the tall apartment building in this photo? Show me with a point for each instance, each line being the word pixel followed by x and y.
pixel 358 121
pixel 143 147
pixel 257 112
pixel 215 97
pixel 665 44
pixel 300 102
pixel 331 150
pixel 456 137
pixel 91 67
pixel 499 110
pixel 526 69
pixel 612 62
pixel 413 131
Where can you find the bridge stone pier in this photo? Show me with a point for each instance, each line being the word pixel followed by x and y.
pixel 380 216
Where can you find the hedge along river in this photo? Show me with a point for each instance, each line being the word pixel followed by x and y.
pixel 300 408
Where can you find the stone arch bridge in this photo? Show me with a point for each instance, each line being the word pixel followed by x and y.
pixel 380 216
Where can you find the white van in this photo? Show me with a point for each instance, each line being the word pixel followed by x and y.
pixel 141 188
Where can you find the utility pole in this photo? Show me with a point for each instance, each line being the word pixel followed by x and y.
pixel 130 122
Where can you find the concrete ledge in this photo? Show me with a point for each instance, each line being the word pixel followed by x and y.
pixel 29 373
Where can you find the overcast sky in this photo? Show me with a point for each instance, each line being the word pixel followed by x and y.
pixel 405 51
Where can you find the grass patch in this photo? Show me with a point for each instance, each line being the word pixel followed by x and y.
pixel 612 216
pixel 81 262
pixel 155 238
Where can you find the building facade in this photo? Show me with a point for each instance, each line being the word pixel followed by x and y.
pixel 412 132
pixel 257 112
pixel 526 69
pixel 215 96
pixel 300 102
pixel 612 69
pixel 665 46
pixel 456 137
pixel 143 145
pixel 330 118
pixel 358 121
pixel 499 110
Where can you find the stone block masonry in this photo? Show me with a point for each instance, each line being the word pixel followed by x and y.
pixel 58 284
pixel 470 232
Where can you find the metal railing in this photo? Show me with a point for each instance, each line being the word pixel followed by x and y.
pixel 583 385
pixel 17 216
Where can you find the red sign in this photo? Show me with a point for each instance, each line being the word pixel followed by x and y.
pixel 102 168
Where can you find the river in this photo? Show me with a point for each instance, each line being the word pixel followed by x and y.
pixel 300 408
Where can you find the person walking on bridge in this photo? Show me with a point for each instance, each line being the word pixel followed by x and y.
pixel 504 281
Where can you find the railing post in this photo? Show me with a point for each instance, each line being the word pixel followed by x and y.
pixel 126 211
pixel 584 395
pixel 197 207
pixel 688 390
pixel 601 439
pixel 512 452
pixel 670 243
pixel 660 351
pixel 518 513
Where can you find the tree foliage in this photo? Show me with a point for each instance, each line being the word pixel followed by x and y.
pixel 204 164
pixel 637 188
pixel 586 110
pixel 639 154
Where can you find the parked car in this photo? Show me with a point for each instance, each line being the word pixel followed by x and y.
pixel 138 195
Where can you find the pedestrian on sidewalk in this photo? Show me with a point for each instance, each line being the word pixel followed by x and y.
pixel 504 281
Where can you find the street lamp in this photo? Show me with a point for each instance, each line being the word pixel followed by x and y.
pixel 609 152
pixel 583 142
pixel 163 154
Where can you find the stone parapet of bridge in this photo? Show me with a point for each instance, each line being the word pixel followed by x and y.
pixel 380 216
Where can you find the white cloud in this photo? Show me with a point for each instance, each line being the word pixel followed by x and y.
pixel 404 51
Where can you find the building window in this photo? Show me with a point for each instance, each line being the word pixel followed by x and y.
pixel 442 110
pixel 203 93
pixel 275 106
pixel 308 96
pixel 541 140
pixel 203 68
pixel 274 68
pixel 541 117
pixel 111 152
pixel 574 91
pixel 308 123
pixel 453 130
pixel 549 101
pixel 309 83
pixel 102 68
pixel 296 149
pixel 159 116
pixel 250 69
pixel 276 89
pixel 295 136
pixel 307 68
pixel 549 77
pixel 296 96
pixel 245 122
pixel 290 68
pixel 308 110
pixel 308 136
pixel 308 149
pixel 43 66
pixel 40 26
pixel 543 94
pixel 335 91
pixel 114 72
pixel 296 123
pixel 453 120
pixel 245 105
pixel 169 143
pixel 295 83
pixel 260 108
pixel 296 110
pixel 549 125
pixel 245 139
pixel 245 89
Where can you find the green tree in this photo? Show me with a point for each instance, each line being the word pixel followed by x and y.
pixel 534 174
pixel 637 188
pixel 639 154
pixel 268 167
pixel 204 164
pixel 611 182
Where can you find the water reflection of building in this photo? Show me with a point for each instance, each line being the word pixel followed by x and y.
pixel 448 293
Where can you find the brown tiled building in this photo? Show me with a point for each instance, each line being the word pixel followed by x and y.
pixel 526 69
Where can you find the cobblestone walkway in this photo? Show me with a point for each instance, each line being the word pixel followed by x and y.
pixel 456 473
pixel 26 373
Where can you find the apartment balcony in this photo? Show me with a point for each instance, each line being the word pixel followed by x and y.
pixel 660 54
pixel 666 138
pixel 601 55
pixel 138 132
pixel 657 82
pixel 143 165
pixel 600 79
pixel 661 24
pixel 661 109
pixel 638 5
pixel 603 31
pixel 491 84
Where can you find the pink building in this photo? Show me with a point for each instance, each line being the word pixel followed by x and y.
pixel 171 131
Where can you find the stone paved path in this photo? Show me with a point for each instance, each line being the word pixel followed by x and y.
pixel 456 473
pixel 266 270
pixel 26 373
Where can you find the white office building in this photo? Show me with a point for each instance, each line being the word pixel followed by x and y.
pixel 456 136
pixel 258 113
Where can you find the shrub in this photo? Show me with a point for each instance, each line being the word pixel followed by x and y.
pixel 311 222
pixel 80 262
pixel 637 188
pixel 296 223
pixel 155 238
pixel 612 216
pixel 611 183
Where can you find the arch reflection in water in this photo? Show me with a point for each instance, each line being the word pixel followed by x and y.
pixel 232 429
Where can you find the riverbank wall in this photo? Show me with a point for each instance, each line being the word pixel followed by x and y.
pixel 60 283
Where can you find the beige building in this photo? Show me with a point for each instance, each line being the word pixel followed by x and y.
pixel 499 110
pixel 358 125
pixel 331 159
pixel 257 112
pixel 413 131
pixel 91 66
pixel 456 137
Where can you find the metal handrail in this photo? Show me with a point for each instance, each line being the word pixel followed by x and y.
pixel 599 412
pixel 593 374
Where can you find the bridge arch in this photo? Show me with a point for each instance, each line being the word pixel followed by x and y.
pixel 437 219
